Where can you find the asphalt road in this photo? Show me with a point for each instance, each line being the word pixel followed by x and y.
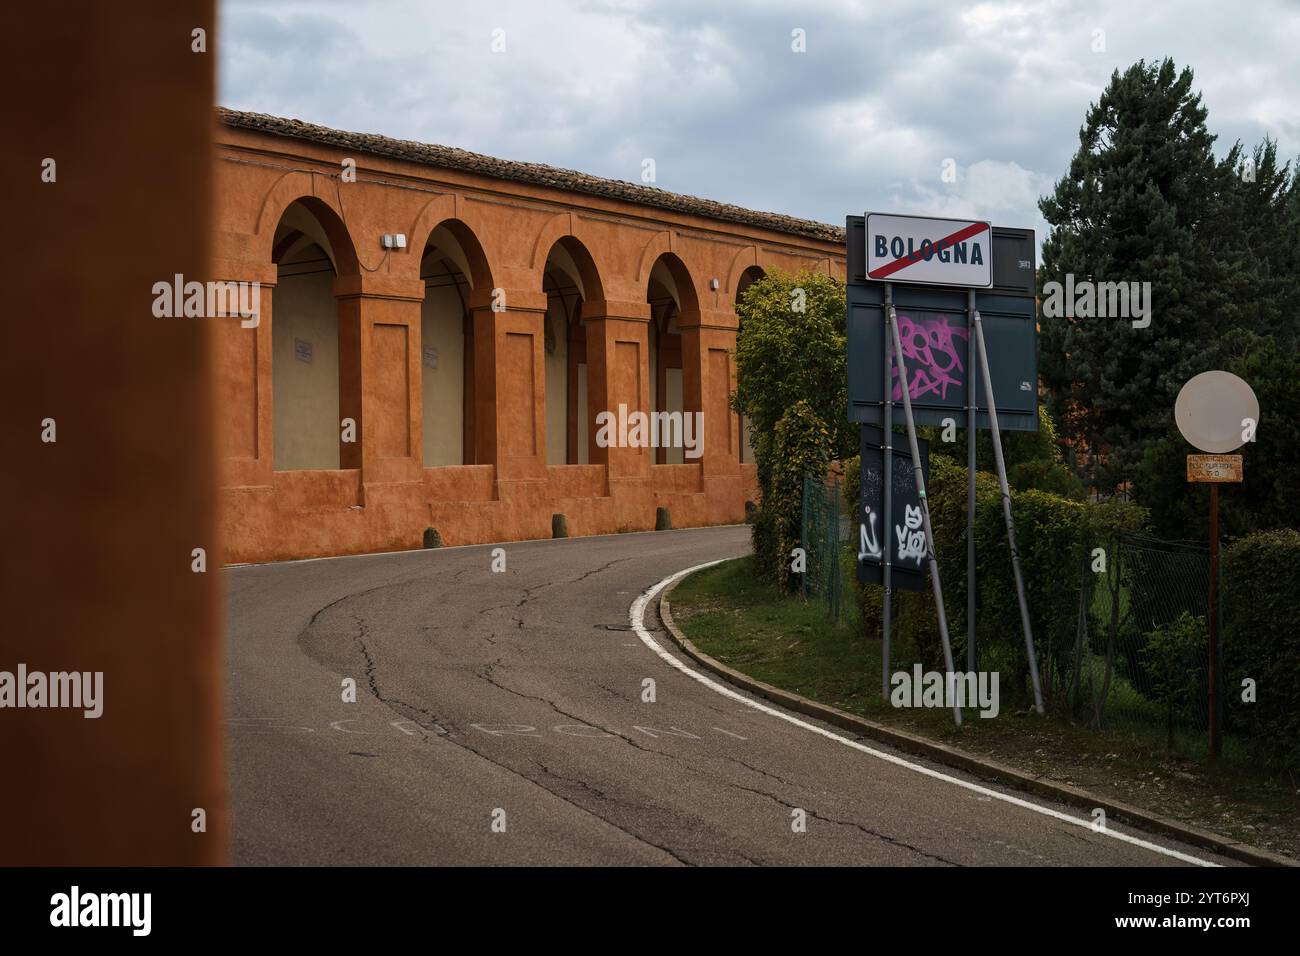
pixel 499 719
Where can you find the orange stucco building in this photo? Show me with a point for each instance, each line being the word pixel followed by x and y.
pixel 468 360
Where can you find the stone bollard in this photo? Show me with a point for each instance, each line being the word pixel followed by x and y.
pixel 559 526
pixel 663 519
pixel 431 538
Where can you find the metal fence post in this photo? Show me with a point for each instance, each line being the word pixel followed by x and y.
pixel 887 506
pixel 803 535
pixel 972 660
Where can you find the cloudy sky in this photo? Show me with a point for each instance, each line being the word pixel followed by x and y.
pixel 712 90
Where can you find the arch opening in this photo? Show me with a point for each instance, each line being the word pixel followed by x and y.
pixel 456 281
pixel 310 249
pixel 669 293
pixel 569 279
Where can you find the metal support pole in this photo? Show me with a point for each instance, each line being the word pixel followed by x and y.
pixel 803 535
pixel 887 502
pixel 1214 623
pixel 972 660
pixel 925 509
pixel 1006 511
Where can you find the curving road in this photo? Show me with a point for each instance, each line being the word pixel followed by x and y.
pixel 513 700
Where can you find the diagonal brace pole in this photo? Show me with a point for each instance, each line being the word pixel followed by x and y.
pixel 1006 511
pixel 925 510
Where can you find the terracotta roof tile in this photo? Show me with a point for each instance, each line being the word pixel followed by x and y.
pixel 449 157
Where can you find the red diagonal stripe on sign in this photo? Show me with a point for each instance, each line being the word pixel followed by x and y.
pixel 960 235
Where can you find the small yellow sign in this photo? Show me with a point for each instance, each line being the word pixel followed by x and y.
pixel 1217 468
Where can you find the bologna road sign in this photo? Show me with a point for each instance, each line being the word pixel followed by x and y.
pixel 948 252
pixel 934 325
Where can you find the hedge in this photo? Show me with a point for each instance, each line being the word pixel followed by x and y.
pixel 801 445
pixel 1261 596
pixel 1260 586
pixel 1056 536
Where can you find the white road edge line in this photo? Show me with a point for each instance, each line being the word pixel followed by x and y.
pixel 636 616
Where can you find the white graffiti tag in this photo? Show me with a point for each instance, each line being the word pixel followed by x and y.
pixel 868 543
pixel 911 539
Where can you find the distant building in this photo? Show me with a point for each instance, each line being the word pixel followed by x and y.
pixel 469 317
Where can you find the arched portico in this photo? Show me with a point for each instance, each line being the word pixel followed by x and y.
pixel 570 279
pixel 518 304
pixel 309 345
pixel 456 276
pixel 670 292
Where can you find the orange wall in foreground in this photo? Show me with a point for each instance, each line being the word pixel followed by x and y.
pixel 96 542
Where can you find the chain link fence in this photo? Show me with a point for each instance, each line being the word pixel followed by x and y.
pixel 826 538
pixel 1141 658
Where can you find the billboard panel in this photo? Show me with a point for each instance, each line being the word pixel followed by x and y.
pixel 933 330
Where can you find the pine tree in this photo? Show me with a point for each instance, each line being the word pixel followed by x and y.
pixel 1219 241
pixel 1256 247
pixel 1141 202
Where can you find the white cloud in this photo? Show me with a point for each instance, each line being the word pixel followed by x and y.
pixel 1001 192
pixel 715 94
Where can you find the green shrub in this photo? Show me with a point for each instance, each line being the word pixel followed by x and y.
pixel 1261 596
pixel 791 347
pixel 1055 535
pixel 792 383
pixel 801 445
pixel 1033 459
pixel 1173 656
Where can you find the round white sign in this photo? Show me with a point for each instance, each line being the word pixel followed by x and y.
pixel 1216 412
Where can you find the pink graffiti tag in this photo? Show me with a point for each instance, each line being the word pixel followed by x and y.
pixel 932 357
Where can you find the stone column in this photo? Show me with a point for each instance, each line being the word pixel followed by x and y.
pixel 510 386
pixel 242 361
pixel 379 375
pixel 618 373
pixel 708 379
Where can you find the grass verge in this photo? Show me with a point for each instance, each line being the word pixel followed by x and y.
pixel 733 616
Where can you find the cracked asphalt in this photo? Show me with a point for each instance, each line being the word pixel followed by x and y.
pixel 499 719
